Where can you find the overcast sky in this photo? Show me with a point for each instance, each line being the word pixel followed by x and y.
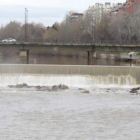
pixel 43 11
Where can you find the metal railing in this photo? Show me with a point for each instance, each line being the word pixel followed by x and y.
pixel 77 42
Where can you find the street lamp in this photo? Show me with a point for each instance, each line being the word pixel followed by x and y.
pixel 26 21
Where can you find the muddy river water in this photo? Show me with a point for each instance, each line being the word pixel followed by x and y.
pixel 103 114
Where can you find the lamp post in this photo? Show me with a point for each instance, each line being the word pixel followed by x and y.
pixel 26 25
pixel 26 21
pixel 67 27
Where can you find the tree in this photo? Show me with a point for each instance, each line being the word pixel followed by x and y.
pixel 11 30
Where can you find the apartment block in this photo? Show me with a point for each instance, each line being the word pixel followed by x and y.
pixel 74 16
pixel 97 11
pixel 129 7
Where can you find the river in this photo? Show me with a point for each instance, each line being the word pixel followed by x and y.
pixel 102 114
pixel 98 104
pixel 68 59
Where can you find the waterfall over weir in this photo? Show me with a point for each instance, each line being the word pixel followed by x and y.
pixel 76 76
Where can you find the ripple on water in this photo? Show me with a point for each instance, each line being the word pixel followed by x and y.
pixel 101 114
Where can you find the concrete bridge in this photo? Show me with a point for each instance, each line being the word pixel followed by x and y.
pixel 26 48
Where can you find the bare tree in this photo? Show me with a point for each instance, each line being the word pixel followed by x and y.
pixel 11 30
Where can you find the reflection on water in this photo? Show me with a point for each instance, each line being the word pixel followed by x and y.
pixel 61 60
pixel 72 60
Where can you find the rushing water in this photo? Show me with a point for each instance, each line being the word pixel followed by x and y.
pixel 103 114
pixel 71 75
pixel 108 112
pixel 71 81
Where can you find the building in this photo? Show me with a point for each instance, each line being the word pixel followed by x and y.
pixel 74 16
pixel 107 7
pixel 132 6
pixel 97 11
pixel 129 7
pixel 93 16
pixel 116 8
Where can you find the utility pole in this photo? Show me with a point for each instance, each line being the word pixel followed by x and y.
pixel 27 25
pixel 26 20
pixel 67 39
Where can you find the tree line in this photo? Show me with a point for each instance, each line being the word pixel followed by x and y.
pixel 16 30
pixel 117 28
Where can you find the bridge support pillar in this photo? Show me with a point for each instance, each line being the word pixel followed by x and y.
pixel 1 57
pixel 24 56
pixel 88 57
pixel 91 57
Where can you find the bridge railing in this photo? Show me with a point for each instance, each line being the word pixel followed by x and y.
pixel 78 42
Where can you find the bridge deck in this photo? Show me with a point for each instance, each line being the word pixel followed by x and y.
pixel 76 47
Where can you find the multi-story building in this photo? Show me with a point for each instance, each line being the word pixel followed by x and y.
pixel 97 11
pixel 129 7
pixel 132 6
pixel 107 7
pixel 94 15
pixel 74 16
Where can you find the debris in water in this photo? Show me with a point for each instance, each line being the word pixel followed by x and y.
pixel 85 91
pixel 81 89
pixel 41 88
pixel 135 90
pixel 24 85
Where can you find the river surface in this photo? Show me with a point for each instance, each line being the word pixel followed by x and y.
pixel 62 60
pixel 102 114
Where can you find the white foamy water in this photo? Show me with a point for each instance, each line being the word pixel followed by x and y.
pixel 104 114
pixel 108 112
pixel 72 81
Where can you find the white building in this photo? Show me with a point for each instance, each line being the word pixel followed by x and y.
pixel 74 16
pixel 94 15
pixel 97 11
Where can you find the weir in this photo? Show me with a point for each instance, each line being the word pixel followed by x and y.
pixel 70 75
